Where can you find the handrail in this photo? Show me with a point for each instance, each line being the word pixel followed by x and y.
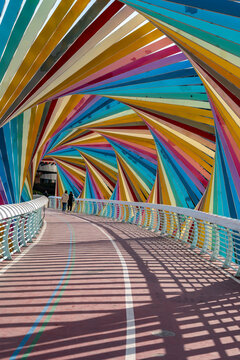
pixel 234 224
pixel 213 235
pixel 19 224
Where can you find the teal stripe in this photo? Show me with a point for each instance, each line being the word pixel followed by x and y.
pixel 51 312
pixel 227 17
pixel 154 93
pixel 44 311
pixel 9 17
pixel 17 33
pixel 204 25
pixel 223 44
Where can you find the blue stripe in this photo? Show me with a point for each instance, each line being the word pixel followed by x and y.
pixel 186 17
pixel 39 318
pixel 1 6
pixel 205 9
pixel 9 17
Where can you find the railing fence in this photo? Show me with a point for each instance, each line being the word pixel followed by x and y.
pixel 217 236
pixel 19 224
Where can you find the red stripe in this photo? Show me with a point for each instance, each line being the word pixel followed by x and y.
pixel 192 129
pixel 82 39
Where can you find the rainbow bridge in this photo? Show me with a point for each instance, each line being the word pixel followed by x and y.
pixel 137 103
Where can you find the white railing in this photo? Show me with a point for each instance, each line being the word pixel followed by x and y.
pixel 217 236
pixel 19 224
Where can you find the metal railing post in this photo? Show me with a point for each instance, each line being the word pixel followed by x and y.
pixel 164 223
pixel 178 222
pixel 207 232
pixel 129 215
pixel 101 209
pixel 15 235
pixel 6 253
pixel 158 222
pixel 152 213
pixel 124 214
pixel 195 235
pixel 28 229
pixel 171 224
pixel 19 223
pixel 120 216
pixel 186 231
pixel 32 224
pixel 216 244
pixel 206 240
pixel 238 272
pixel 146 217
pixel 140 216
pixel 229 254
pixel 39 219
pixel 22 232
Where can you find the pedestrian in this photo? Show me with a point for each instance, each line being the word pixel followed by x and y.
pixel 46 193
pixel 70 201
pixel 64 201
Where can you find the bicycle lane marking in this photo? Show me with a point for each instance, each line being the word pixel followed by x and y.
pixel 130 353
pixel 70 261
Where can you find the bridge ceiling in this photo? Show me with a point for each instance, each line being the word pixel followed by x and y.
pixel 133 100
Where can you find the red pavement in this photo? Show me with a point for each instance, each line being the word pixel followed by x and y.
pixel 68 294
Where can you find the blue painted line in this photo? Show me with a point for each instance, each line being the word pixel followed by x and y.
pixel 43 312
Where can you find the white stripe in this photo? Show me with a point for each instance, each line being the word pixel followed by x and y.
pixel 130 336
pixel 3 270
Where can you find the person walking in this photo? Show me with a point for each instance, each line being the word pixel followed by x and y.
pixel 65 198
pixel 70 201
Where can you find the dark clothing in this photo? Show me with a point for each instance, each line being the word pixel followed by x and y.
pixel 70 202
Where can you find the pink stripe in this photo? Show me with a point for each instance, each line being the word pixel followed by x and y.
pixel 120 63
pixel 84 105
pixel 75 181
pixel 138 149
pixel 142 69
pixel 231 150
pixel 180 156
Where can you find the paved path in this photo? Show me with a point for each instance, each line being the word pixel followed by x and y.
pixel 72 297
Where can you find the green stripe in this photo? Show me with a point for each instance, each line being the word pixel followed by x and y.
pixel 212 39
pixel 51 312
pixel 25 17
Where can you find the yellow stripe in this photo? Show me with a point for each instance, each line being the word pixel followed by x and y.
pixel 224 67
pixel 57 26
pixel 30 34
pixel 167 184
pixel 25 136
pixel 186 139
pixel 185 112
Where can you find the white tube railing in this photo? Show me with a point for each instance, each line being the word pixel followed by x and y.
pixel 19 224
pixel 217 236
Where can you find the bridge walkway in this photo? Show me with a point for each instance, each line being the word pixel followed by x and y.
pixel 91 288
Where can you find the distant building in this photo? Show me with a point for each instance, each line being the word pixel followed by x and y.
pixel 46 177
pixel 46 173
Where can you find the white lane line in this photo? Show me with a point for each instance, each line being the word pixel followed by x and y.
pixel 13 262
pixel 130 336
pixel 130 353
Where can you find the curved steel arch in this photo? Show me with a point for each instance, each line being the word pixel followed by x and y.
pixel 135 65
